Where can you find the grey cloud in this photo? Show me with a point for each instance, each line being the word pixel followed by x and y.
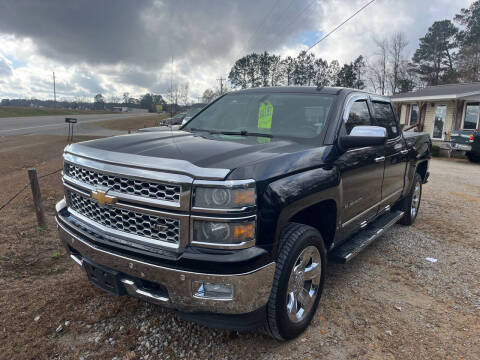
pixel 145 33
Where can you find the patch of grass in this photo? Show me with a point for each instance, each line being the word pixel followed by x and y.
pixel 17 111
pixel 132 123
pixel 56 255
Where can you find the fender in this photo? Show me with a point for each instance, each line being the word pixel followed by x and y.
pixel 284 198
pixel 412 167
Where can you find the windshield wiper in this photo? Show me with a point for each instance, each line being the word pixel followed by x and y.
pixel 244 133
pixel 241 132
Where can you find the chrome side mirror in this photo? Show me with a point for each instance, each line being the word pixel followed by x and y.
pixel 370 131
pixel 362 136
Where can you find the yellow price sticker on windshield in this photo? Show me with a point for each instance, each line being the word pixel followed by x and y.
pixel 265 114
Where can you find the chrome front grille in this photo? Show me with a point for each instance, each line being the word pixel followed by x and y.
pixel 141 188
pixel 140 224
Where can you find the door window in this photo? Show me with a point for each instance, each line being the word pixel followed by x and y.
pixel 440 115
pixel 359 115
pixel 383 116
pixel 472 111
pixel 413 114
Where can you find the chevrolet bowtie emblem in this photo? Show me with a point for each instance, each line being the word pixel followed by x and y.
pixel 102 198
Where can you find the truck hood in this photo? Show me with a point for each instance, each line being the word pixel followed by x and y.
pixel 216 155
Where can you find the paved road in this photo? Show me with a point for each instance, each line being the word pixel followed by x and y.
pixel 55 125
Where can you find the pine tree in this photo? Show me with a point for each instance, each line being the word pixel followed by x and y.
pixel 469 42
pixel 346 76
pixel 288 69
pixel 321 73
pixel 359 69
pixel 434 60
pixel 304 73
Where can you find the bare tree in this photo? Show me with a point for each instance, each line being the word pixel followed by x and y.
pixel 126 96
pixel 378 67
pixel 208 95
pixel 396 48
pixel 172 97
pixel 183 93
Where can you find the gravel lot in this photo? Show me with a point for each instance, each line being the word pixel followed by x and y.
pixel 388 303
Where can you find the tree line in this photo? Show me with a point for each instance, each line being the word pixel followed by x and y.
pixel 260 70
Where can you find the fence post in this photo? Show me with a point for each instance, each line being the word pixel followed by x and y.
pixel 37 197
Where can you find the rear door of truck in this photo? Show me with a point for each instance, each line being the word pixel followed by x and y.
pixel 395 153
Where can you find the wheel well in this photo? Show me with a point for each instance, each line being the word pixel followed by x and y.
pixel 422 169
pixel 322 216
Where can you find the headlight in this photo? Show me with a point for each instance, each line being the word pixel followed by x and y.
pixel 237 198
pixel 225 197
pixel 223 233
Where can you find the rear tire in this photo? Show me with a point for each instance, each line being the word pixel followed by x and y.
pixel 298 282
pixel 411 203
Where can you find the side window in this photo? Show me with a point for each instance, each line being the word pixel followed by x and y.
pixel 359 115
pixel 383 116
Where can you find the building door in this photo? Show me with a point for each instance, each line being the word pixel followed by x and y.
pixel 439 122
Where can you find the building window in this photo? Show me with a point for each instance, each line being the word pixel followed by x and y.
pixel 472 111
pixel 413 114
pixel 439 122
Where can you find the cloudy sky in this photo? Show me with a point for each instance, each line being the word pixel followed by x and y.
pixel 118 46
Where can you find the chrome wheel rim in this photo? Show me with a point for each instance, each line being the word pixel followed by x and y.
pixel 304 283
pixel 415 200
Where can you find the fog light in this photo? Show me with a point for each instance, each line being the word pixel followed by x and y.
pixel 206 290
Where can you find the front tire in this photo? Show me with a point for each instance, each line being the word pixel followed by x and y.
pixel 298 281
pixel 473 158
pixel 411 204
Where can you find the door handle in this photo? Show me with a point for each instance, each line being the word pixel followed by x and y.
pixel 380 159
pixel 403 152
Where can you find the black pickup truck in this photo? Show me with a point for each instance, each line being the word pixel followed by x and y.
pixel 230 220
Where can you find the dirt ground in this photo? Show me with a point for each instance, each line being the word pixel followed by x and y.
pixel 388 303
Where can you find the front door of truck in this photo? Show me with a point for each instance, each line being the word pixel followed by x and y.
pixel 395 153
pixel 361 171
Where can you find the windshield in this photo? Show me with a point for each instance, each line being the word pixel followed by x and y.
pixel 277 114
pixel 193 110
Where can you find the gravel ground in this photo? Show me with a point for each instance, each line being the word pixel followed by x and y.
pixel 389 302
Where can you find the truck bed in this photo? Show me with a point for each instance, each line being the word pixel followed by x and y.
pixel 419 141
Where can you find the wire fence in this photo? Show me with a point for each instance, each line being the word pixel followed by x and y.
pixel 25 187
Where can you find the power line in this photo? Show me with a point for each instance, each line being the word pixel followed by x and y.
pixel 336 28
pixel 54 92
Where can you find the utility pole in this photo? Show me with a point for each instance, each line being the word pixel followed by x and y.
pixel 54 92
pixel 221 84
pixel 171 86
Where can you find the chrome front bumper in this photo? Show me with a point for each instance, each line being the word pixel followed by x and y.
pixel 461 147
pixel 251 289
